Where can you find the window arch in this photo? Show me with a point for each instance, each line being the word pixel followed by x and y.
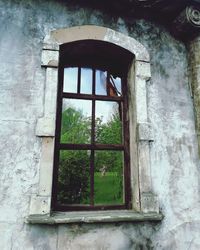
pixel 143 199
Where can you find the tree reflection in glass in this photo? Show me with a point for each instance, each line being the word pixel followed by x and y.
pixel 76 121
pixel 108 177
pixel 108 123
pixel 107 84
pixel 74 177
pixel 87 175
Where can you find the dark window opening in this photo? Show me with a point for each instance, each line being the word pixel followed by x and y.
pixel 91 163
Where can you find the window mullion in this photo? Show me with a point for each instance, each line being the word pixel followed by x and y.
pixel 92 97
pixel 79 81
pixel 92 142
pixel 71 146
pixel 92 178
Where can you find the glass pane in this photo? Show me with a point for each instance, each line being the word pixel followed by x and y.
pixel 70 80
pixel 112 87
pixel 108 178
pixel 101 82
pixel 108 122
pixel 86 81
pixel 74 177
pixel 76 121
pixel 116 82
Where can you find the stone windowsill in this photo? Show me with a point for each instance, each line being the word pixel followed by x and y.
pixel 93 217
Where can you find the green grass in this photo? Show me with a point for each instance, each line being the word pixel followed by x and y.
pixel 107 189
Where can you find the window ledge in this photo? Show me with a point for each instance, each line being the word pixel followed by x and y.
pixel 93 217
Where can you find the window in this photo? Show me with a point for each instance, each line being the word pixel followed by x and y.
pixel 91 165
pixel 85 51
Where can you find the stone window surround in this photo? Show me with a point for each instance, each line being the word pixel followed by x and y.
pixel 144 201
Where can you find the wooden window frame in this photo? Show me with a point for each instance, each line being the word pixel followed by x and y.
pixel 124 147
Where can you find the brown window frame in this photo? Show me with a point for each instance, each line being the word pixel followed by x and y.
pixel 92 146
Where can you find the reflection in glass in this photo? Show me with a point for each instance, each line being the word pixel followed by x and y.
pixel 74 177
pixel 110 86
pixel 86 81
pixel 70 80
pixel 108 177
pixel 108 124
pixel 76 121
pixel 116 82
pixel 101 82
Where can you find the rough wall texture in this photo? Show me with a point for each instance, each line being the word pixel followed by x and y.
pixel 174 154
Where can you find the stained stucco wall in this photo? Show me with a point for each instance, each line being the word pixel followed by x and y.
pixel 174 158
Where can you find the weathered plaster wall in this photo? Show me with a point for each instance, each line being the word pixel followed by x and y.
pixel 174 154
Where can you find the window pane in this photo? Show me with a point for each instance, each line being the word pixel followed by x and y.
pixel 111 87
pixel 108 122
pixel 116 82
pixel 108 178
pixel 74 177
pixel 76 121
pixel 70 80
pixel 86 81
pixel 101 82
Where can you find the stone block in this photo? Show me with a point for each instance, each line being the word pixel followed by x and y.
pixel 45 126
pixel 50 92
pixel 61 36
pixel 149 203
pixel 128 43
pixel 141 100
pixel 40 205
pixel 142 69
pixel 50 58
pixel 144 167
pixel 46 166
pixel 144 132
pixel 51 46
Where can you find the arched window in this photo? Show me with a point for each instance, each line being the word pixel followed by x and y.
pixel 92 165
pixel 101 133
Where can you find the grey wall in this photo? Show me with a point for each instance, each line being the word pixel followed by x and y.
pixel 174 157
